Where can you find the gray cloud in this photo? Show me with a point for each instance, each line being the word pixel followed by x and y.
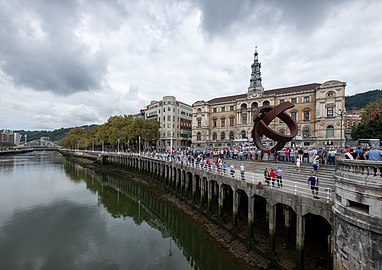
pixel 40 49
pixel 220 17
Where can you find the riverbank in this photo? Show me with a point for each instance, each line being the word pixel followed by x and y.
pixel 239 248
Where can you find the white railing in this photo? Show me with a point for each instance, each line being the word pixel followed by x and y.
pixel 293 187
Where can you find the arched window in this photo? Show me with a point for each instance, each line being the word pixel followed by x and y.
pixel 243 108
pixel 199 110
pixel 306 132
pixel 266 103
pixel 231 135
pixel 282 131
pixel 214 136
pixel 329 131
pixel 331 94
pixel 254 106
pixel 222 136
pixel 198 136
pixel 243 134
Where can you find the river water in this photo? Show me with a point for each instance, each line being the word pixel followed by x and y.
pixel 57 215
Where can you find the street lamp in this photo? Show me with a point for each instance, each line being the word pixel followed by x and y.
pixel 118 147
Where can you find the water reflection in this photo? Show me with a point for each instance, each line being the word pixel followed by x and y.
pixel 124 198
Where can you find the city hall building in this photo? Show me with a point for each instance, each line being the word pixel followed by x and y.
pixel 318 112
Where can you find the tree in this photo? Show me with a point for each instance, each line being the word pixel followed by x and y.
pixel 369 128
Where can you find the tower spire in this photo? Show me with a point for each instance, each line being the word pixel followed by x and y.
pixel 255 81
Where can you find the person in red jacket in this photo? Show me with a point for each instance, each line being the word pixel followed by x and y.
pixel 272 174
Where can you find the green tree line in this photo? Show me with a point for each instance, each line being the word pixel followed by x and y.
pixel 370 127
pixel 123 129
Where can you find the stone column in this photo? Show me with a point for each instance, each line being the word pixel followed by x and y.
pixel 272 226
pixel 251 216
pixel 235 207
pixel 300 237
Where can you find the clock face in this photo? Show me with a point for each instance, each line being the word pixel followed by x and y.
pixel 254 94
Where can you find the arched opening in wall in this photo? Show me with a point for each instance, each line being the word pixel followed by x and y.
pixel 317 242
pixel 243 134
pixel 231 135
pixel 189 186
pixel 204 198
pixel 242 213
pixel 285 235
pixel 254 106
pixel 266 103
pixel 214 136
pixel 214 203
pixel 227 203
pixel 197 188
pixel 260 222
pixel 306 132
pixel 243 108
pixel 222 136
pixel 198 136
pixel 329 131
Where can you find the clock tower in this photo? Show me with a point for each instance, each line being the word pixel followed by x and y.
pixel 255 88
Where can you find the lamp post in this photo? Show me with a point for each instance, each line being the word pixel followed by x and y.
pixel 103 147
pixel 171 144
pixel 118 147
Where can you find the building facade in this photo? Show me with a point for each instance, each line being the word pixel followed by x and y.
pixel 175 119
pixel 318 112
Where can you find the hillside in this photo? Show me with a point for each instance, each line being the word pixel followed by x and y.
pixel 359 101
pixel 54 135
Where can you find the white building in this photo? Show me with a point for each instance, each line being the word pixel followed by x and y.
pixel 175 119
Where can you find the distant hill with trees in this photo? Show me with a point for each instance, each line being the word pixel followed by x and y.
pixel 359 101
pixel 54 135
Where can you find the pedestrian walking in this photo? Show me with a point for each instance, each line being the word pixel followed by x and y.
pixel 232 170
pixel 298 164
pixel 316 162
pixel 242 170
pixel 224 167
pixel 267 176
pixel 272 174
pixel 313 182
pixel 279 175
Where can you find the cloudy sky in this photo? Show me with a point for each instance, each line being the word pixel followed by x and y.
pixel 75 62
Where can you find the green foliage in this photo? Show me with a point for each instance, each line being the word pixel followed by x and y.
pixel 119 127
pixel 369 128
pixel 359 101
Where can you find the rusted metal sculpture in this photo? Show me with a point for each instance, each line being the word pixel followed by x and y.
pixel 264 116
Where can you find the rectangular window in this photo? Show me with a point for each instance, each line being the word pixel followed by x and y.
pixel 281 101
pixel 214 122
pixel 199 123
pixel 222 122
pixel 307 99
pixel 214 110
pixel 168 117
pixel 293 115
pixel 231 121
pixel 293 100
pixel 330 112
pixel 231 108
pixel 223 109
pixel 306 116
